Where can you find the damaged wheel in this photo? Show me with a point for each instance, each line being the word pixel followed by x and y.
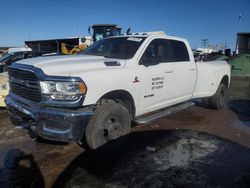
pixel 109 126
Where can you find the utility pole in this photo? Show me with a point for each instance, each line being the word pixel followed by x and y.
pixel 239 19
pixel 225 47
pixel 238 30
pixel 204 43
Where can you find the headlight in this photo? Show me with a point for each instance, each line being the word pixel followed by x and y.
pixel 63 90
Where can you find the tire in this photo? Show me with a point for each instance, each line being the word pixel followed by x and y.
pixel 109 127
pixel 220 99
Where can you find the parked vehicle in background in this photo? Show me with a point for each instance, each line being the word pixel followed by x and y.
pixel 10 58
pixel 18 49
pixel 93 97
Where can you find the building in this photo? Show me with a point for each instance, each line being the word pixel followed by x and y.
pixel 243 43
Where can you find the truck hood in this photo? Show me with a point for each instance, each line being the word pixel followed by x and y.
pixel 70 65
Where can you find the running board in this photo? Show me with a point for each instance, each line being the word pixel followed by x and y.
pixel 145 119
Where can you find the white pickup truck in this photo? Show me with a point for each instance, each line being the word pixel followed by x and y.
pixel 95 96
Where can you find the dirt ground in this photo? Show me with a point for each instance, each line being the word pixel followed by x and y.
pixel 198 147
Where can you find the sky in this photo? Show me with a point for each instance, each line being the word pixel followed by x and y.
pixel 215 20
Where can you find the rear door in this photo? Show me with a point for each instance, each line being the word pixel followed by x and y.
pixel 185 71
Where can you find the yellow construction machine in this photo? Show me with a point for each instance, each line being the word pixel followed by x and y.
pixel 67 49
pixel 99 31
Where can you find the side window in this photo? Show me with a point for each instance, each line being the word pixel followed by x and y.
pixel 155 53
pixel 179 51
pixel 163 51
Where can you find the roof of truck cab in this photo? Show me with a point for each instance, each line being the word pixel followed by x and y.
pixel 151 34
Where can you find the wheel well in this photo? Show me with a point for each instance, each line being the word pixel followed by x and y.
pixel 225 80
pixel 123 97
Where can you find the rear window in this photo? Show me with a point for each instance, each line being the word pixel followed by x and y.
pixel 179 50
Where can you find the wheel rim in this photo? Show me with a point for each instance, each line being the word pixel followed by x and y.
pixel 113 129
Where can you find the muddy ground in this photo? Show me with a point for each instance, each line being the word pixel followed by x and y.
pixel 198 147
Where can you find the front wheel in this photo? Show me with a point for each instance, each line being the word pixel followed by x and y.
pixel 220 99
pixel 109 126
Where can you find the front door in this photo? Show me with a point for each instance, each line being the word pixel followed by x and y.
pixel 157 77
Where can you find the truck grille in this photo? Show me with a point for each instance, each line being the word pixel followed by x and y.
pixel 25 84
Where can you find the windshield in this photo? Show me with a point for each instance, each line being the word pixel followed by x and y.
pixel 119 48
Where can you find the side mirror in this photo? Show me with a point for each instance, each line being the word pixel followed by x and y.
pixel 155 62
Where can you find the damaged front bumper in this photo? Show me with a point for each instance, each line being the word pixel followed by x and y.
pixel 51 123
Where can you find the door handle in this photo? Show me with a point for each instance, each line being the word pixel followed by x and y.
pixel 192 69
pixel 169 71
